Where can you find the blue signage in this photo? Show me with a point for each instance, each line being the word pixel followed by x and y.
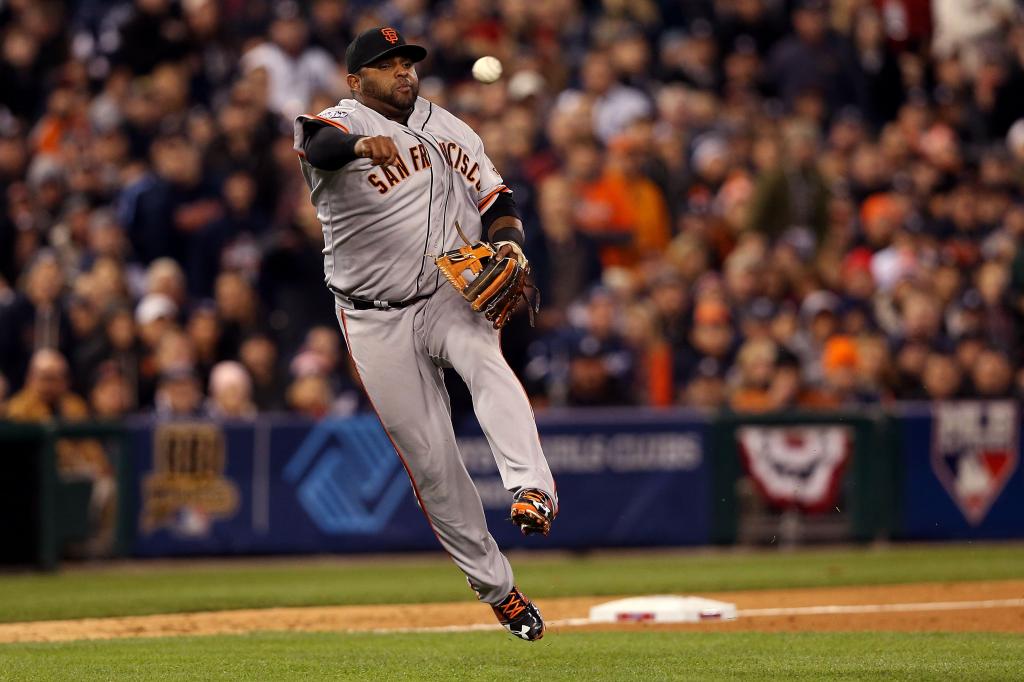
pixel 960 473
pixel 344 478
pixel 288 486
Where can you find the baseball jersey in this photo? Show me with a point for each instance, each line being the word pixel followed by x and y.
pixel 382 225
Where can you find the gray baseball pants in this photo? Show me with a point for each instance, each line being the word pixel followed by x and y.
pixel 399 355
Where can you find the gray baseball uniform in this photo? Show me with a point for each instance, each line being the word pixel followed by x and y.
pixel 380 226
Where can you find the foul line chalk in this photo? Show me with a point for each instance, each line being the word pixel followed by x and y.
pixel 882 608
pixel 849 609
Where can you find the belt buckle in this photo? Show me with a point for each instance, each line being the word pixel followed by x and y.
pixel 382 305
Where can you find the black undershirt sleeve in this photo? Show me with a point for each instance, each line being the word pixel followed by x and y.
pixel 328 148
pixel 503 205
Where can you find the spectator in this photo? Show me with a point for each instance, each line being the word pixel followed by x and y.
pixel 625 212
pixel 998 322
pixel 164 276
pixel 613 105
pixel 991 375
pixel 814 59
pixel 111 396
pixel 209 45
pixel 291 279
pixel 738 174
pixel 591 383
pixel 124 351
pixel 755 363
pixel 244 222
pixel 793 197
pixel 230 392
pixel 963 30
pixel 237 309
pixel 178 395
pixel 941 378
pixel 692 58
pixel 712 339
pixel 653 376
pixel 590 364
pixel 46 394
pixel 753 20
pixel 21 73
pixel 564 259
pixel 818 322
pixel 874 366
pixel 204 336
pixel 742 270
pixel 324 343
pixel 155 316
pixel 174 352
pixel 89 341
pixel 295 71
pixel 840 361
pixel 705 385
pixel 310 396
pixel 879 70
pixel 259 355
pixel 36 318
pixel 152 34
pixel 173 212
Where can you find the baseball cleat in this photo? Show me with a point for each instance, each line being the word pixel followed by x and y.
pixel 533 511
pixel 520 616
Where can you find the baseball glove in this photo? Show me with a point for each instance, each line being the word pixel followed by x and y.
pixel 493 285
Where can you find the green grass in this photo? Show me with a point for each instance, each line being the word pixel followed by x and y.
pixel 195 586
pixel 649 656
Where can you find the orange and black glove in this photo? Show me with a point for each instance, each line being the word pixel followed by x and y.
pixel 492 278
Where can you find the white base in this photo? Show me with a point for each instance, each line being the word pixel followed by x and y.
pixel 662 609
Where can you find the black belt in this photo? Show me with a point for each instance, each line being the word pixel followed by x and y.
pixel 367 304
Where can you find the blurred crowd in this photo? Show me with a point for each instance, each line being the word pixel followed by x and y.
pixel 754 204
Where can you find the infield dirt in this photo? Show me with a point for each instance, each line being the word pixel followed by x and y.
pixel 985 618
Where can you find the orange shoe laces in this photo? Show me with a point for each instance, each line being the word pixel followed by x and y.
pixel 514 606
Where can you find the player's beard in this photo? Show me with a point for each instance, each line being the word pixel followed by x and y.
pixel 401 101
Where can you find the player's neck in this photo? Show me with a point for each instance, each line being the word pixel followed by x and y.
pixel 385 109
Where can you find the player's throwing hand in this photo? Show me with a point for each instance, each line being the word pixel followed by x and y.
pixel 380 149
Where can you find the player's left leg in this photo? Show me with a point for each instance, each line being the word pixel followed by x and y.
pixel 467 341
pixel 407 393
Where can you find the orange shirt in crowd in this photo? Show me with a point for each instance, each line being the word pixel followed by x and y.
pixel 26 406
pixel 752 400
pixel 658 366
pixel 631 206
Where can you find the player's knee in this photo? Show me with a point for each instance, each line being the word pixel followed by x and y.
pixel 473 355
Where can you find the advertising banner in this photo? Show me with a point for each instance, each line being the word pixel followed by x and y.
pixel 286 486
pixel 961 474
pixel 796 466
pixel 624 478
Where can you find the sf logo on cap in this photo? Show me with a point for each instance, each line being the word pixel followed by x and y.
pixel 390 35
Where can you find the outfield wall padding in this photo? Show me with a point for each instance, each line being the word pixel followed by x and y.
pixel 626 478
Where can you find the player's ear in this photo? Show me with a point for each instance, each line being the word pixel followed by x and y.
pixel 354 83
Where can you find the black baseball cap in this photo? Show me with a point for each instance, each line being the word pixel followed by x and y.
pixel 377 43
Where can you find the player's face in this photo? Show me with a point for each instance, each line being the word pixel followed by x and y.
pixel 392 81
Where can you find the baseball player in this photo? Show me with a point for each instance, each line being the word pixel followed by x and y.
pixel 395 179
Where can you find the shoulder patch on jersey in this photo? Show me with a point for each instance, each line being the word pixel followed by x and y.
pixel 334 113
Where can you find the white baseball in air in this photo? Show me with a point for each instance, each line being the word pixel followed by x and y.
pixel 487 69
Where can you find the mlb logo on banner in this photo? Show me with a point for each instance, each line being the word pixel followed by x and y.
pixel 974 452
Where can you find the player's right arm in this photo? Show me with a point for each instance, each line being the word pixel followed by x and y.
pixel 332 138
pixel 330 148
